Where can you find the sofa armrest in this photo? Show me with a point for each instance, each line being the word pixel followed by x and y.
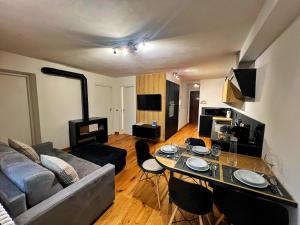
pixel 43 148
pixel 11 197
pixel 79 204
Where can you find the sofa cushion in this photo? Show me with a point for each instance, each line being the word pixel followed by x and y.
pixel 64 171
pixel 24 149
pixel 82 167
pixel 35 181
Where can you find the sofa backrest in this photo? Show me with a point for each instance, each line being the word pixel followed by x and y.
pixel 35 181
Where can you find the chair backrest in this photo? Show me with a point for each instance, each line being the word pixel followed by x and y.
pixel 195 142
pixel 190 197
pixel 242 209
pixel 142 151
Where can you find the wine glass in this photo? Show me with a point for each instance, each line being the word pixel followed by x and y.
pixel 216 151
pixel 271 160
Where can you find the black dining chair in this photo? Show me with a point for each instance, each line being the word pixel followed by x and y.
pixel 219 194
pixel 195 142
pixel 149 166
pixel 191 198
pixel 242 209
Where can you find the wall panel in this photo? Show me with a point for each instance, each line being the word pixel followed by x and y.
pixel 154 83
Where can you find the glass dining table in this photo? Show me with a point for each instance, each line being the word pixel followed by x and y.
pixel 223 173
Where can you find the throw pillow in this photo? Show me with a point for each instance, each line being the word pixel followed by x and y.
pixel 64 171
pixel 24 149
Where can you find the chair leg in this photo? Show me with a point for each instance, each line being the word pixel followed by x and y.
pixel 165 176
pixel 220 219
pixel 136 186
pixel 173 215
pixel 157 190
pixel 208 219
pixel 200 220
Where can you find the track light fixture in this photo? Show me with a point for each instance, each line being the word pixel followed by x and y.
pixel 131 46
pixel 176 75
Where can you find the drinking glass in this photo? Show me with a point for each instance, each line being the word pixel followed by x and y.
pixel 176 154
pixel 232 154
pixel 216 151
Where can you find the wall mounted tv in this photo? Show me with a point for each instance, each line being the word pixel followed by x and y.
pixel 150 102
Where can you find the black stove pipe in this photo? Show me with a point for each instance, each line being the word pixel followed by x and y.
pixel 83 81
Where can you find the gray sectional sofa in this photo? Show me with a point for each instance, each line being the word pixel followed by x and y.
pixel 32 195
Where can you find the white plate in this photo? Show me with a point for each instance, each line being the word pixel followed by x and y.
pixel 197 164
pixel 235 174
pixel 198 169
pixel 200 150
pixel 168 149
pixel 251 177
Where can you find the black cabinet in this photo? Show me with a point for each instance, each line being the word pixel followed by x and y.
pixel 146 131
pixel 84 131
pixel 205 126
pixel 172 108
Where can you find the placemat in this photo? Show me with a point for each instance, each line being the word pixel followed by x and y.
pixel 174 156
pixel 229 178
pixel 181 164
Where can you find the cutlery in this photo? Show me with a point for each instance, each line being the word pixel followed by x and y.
pixel 210 170
pixel 215 166
pixel 274 182
pixel 183 162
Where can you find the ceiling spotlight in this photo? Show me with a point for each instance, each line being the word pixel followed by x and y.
pixel 125 50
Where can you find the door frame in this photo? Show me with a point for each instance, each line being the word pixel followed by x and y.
pixel 33 106
pixel 122 104
pixel 189 111
pixel 112 105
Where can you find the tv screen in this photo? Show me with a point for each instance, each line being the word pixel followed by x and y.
pixel 149 102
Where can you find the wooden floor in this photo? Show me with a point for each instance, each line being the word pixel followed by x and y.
pixel 137 204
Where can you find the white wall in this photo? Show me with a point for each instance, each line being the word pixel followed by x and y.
pixel 183 99
pixel 276 104
pixel 211 93
pixel 59 98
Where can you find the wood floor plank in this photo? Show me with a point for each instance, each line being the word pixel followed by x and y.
pixel 137 203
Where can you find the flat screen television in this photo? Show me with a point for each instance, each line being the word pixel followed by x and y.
pixel 150 102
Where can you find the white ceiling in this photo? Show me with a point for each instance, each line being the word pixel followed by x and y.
pixel 198 38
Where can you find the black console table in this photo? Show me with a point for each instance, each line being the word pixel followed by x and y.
pixel 146 131
pixel 81 132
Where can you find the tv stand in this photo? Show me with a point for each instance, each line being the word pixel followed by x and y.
pixel 146 131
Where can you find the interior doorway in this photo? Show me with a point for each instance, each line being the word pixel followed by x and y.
pixel 128 108
pixel 104 107
pixel 194 107
pixel 19 114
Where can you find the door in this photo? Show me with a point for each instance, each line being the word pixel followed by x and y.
pixel 15 121
pixel 172 109
pixel 128 109
pixel 103 106
pixel 194 107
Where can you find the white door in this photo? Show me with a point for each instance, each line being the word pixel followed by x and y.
pixel 103 105
pixel 128 109
pixel 14 109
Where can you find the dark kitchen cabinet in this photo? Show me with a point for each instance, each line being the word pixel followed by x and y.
pixel 172 108
pixel 205 125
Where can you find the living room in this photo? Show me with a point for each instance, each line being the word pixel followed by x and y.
pixel 121 96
